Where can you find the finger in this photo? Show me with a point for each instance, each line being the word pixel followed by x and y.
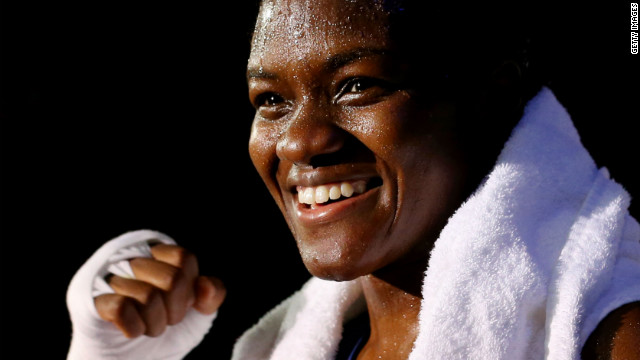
pixel 122 312
pixel 210 293
pixel 178 292
pixel 149 302
pixel 178 257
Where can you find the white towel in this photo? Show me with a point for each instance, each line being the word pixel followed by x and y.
pixel 525 269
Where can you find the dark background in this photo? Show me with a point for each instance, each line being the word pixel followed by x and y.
pixel 119 116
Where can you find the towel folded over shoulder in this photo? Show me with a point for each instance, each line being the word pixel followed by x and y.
pixel 525 269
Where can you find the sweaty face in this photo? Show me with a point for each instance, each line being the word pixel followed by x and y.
pixel 365 168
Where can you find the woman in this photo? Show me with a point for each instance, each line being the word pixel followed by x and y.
pixel 376 155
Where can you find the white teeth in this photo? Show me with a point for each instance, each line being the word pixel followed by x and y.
pixel 322 194
pixel 334 192
pixel 308 196
pixel 346 189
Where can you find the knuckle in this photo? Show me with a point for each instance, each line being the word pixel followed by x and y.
pixel 219 298
pixel 122 312
pixel 148 295
pixel 138 263
pixel 173 277
pixel 179 253
pixel 175 316
pixel 155 332
pixel 177 303
pixel 129 319
pixel 121 306
pixel 221 293
pixel 104 306
pixel 155 317
pixel 174 255
pixel 183 258
pixel 114 281
pixel 189 259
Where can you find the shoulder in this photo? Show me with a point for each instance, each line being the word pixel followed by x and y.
pixel 617 336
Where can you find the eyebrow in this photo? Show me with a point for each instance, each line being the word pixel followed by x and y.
pixel 333 62
pixel 339 60
pixel 254 73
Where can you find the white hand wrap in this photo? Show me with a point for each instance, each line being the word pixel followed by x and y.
pixel 96 339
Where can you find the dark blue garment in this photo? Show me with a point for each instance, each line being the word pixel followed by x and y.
pixel 354 336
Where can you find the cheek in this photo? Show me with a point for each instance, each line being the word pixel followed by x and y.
pixel 376 126
pixel 386 126
pixel 262 150
pixel 426 170
pixel 432 186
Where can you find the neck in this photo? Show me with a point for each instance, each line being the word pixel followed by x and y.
pixel 393 301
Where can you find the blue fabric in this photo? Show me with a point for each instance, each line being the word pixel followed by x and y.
pixel 354 337
pixel 356 350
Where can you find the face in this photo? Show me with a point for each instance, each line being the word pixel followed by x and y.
pixel 364 166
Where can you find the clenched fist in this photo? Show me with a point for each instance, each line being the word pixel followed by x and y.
pixel 164 288
pixel 140 296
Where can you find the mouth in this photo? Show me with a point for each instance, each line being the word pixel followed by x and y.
pixel 317 197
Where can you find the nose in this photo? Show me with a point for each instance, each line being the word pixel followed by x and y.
pixel 309 133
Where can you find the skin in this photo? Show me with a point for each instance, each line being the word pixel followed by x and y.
pixel 617 336
pixel 335 103
pixel 166 286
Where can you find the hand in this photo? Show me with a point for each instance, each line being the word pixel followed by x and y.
pixel 165 287
pixel 151 287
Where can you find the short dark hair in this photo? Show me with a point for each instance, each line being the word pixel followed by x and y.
pixel 466 41
pixel 465 44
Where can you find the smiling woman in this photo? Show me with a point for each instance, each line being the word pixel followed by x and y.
pixel 334 97
pixel 444 205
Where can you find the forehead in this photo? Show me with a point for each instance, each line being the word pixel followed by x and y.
pixel 290 30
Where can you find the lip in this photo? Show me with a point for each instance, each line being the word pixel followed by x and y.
pixel 333 211
pixel 307 176
pixel 321 214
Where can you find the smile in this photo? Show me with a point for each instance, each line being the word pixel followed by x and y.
pixel 337 191
pixel 321 194
pixel 327 194
pixel 322 201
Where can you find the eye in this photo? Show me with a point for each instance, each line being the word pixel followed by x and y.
pixel 270 105
pixel 363 91
pixel 268 100
pixel 358 85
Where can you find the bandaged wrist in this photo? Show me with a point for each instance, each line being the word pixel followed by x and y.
pixel 94 338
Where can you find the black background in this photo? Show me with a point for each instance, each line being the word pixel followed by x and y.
pixel 119 116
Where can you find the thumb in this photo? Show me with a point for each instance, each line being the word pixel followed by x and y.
pixel 209 293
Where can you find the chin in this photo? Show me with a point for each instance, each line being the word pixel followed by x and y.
pixel 328 266
pixel 333 274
